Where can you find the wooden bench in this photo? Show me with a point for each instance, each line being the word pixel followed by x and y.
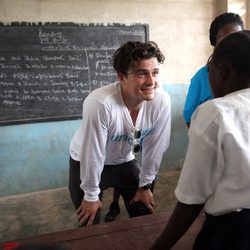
pixel 136 233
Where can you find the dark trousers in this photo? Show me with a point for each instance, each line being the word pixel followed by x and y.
pixel 230 231
pixel 123 177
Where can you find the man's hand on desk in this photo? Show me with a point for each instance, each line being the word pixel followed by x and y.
pixel 146 197
pixel 87 211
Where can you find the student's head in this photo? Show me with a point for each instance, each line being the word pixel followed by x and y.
pixel 137 66
pixel 229 68
pixel 224 25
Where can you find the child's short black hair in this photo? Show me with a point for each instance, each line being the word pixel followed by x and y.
pixel 221 21
pixel 130 53
pixel 235 48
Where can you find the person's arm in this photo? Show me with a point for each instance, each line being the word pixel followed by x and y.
pixel 92 157
pixel 156 140
pixel 181 219
pixel 155 143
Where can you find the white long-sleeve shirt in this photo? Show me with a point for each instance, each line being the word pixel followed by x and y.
pixel 105 136
pixel 216 171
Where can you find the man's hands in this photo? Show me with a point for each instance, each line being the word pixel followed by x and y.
pixel 146 197
pixel 87 211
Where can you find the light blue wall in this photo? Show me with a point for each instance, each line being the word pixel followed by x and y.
pixel 35 156
pixel 174 157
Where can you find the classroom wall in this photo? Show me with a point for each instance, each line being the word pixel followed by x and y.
pixel 180 27
pixel 34 156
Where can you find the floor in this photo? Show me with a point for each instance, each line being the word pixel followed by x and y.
pixel 49 211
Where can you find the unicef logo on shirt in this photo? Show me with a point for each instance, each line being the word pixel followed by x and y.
pixel 123 138
pixel 129 137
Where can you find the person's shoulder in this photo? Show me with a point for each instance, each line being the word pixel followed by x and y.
pixel 103 93
pixel 201 73
pixel 209 105
pixel 221 109
pixel 101 97
pixel 203 117
pixel 104 90
pixel 215 108
pixel 234 101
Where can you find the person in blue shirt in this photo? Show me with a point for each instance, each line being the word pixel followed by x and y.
pixel 199 90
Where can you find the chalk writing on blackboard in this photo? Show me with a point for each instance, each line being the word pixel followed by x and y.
pixel 47 71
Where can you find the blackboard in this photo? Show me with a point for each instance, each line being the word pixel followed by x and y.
pixel 46 70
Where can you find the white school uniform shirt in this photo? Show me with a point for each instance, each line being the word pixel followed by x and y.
pixel 105 136
pixel 216 170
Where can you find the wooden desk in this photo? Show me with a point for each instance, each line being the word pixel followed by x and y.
pixel 129 234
